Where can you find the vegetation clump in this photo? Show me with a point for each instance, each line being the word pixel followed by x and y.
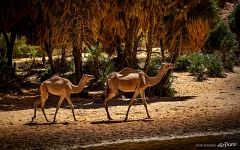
pixel 223 42
pixel 98 31
pixel 182 64
pixel 161 89
pixel 201 65
pixel 234 24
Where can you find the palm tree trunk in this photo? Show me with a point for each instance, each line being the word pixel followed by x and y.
pixel 149 44
pixel 77 57
pixel 119 53
pixel 95 60
pixel 63 58
pixel 127 59
pixel 168 74
pixel 135 48
pixel 162 50
pixel 131 35
pixel 43 58
pixel 127 62
pixel 10 45
pixel 49 51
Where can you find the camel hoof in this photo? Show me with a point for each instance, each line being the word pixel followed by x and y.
pixel 31 122
pixel 126 119
pixel 110 119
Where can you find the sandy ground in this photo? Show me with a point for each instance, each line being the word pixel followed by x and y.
pixel 211 106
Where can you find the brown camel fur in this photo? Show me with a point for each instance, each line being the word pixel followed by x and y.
pixel 130 80
pixel 61 87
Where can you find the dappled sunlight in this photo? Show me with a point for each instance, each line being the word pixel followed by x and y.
pixel 216 111
pixel 119 74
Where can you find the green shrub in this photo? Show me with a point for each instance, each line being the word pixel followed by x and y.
pixel 154 65
pixel 182 63
pixel 233 19
pixel 98 64
pixel 23 50
pixel 222 40
pixel 214 66
pixel 46 75
pixel 88 67
pixel 202 65
pixel 198 65
pixel 160 89
pixel 106 67
pixel 163 89
pixel 234 24
pixel 217 37
pixel 63 67
pixel 94 55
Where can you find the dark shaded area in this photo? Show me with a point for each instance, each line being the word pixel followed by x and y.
pixel 46 123
pixel 124 102
pixel 120 121
pixel 11 103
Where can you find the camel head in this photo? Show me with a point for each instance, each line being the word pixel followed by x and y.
pixel 167 66
pixel 86 78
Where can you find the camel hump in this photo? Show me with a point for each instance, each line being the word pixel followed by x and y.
pixel 127 71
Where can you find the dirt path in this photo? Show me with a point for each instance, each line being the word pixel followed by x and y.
pixel 200 108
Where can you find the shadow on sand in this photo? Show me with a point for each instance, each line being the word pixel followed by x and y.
pixel 22 103
pixel 45 123
pixel 120 121
pixel 125 102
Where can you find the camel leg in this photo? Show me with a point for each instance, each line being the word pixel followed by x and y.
pixel 72 106
pixel 35 107
pixel 131 103
pixel 109 97
pixel 58 106
pixel 42 99
pixel 43 110
pixel 144 102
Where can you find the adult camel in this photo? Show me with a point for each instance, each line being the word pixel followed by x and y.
pixel 131 80
pixel 61 87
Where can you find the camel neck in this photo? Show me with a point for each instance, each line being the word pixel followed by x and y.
pixel 156 79
pixel 78 88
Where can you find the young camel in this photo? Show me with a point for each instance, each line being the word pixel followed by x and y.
pixel 130 80
pixel 61 87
